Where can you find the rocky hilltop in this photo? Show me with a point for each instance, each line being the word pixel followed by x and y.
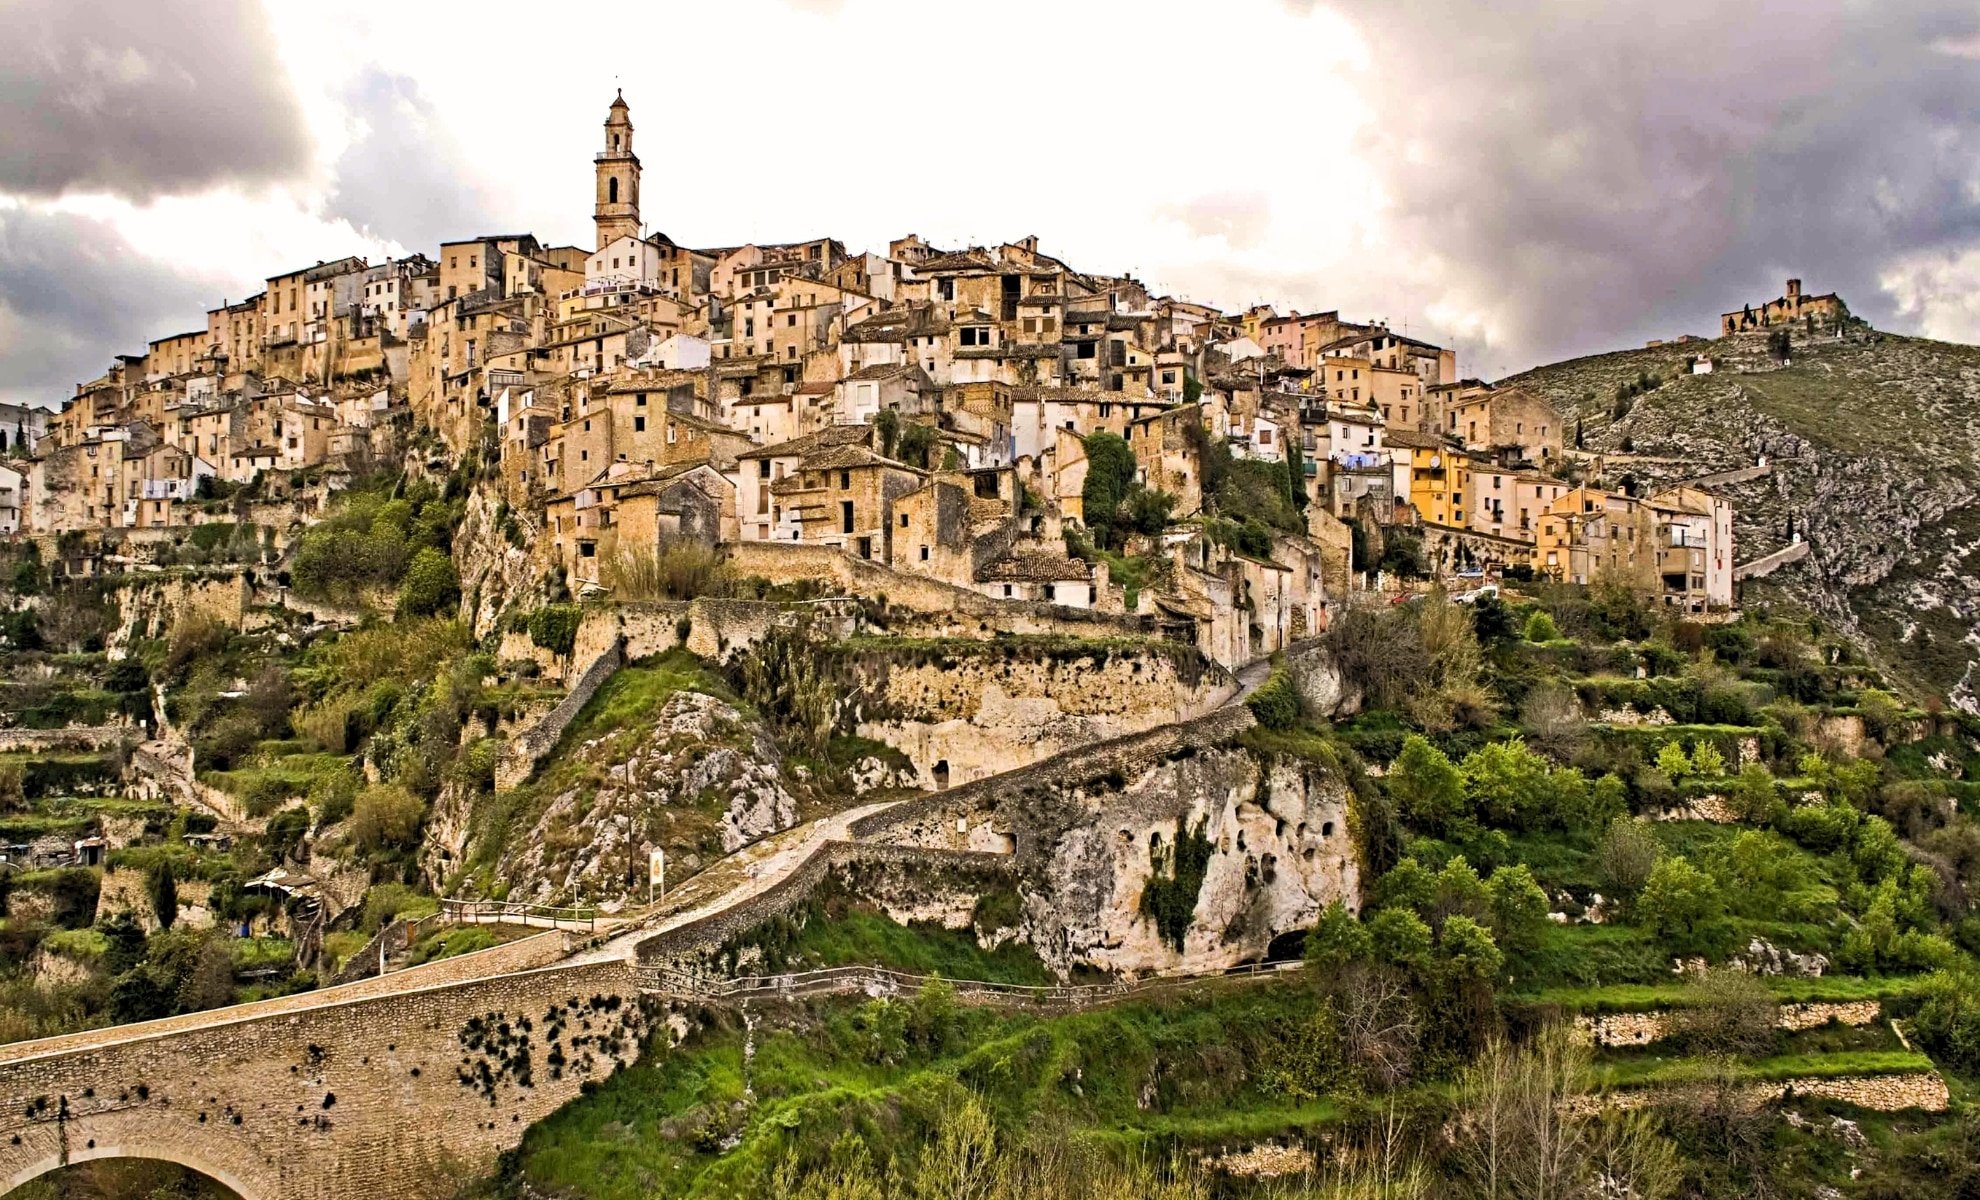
pixel 1867 439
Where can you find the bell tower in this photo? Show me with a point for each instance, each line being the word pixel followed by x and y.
pixel 616 211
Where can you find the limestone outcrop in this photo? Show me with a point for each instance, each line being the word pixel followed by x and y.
pixel 706 781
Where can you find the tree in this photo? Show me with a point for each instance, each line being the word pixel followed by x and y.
pixel 1553 720
pixel 1110 469
pixel 162 888
pixel 1492 620
pixel 1508 783
pixel 1540 627
pixel 13 785
pixel 1409 884
pixel 961 1162
pixel 1682 906
pixel 1337 940
pixel 887 423
pixel 1148 511
pixel 430 586
pixel 1880 711
pixel 1672 760
pixel 1948 1017
pixel 1519 1134
pixel 1627 854
pixel 1470 957
pixel 1519 909
pixel 1706 761
pixel 1730 1013
pixel 1426 786
pixel 1752 795
pixel 1400 937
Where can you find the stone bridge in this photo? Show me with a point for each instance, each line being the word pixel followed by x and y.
pixel 385 1088
pixel 400 1086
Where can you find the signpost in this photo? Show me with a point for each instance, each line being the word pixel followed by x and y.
pixel 656 873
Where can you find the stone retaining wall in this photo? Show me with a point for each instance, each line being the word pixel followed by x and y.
pixel 976 713
pixel 73 737
pixel 522 752
pixel 919 606
pixel 1922 1091
pixel 1644 1028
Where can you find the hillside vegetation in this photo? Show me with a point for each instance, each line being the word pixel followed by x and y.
pixel 1567 808
pixel 1871 438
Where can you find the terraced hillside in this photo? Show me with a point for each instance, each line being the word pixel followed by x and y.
pixel 1871 438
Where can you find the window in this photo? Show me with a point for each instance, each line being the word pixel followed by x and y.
pixel 924 554
pixel 845 481
pixel 639 426
pixel 845 516
pixel 904 520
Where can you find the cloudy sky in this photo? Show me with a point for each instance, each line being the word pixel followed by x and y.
pixel 1527 181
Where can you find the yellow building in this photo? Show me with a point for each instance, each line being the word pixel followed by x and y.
pixel 1439 477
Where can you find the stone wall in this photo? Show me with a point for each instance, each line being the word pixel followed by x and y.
pixel 75 737
pixel 324 1095
pixel 955 818
pixel 521 753
pixel 1922 1091
pixel 917 606
pixel 1645 1028
pixel 148 605
pixel 983 710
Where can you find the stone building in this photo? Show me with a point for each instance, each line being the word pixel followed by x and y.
pixel 1794 308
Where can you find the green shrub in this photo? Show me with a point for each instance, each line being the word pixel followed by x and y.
pixel 431 585
pixel 554 627
pixel 1541 628
pixel 1683 907
pixel 386 817
pixel 1276 704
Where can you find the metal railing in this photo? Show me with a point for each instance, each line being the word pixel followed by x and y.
pixel 882 981
pixel 498 912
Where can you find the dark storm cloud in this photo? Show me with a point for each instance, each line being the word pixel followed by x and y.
pixel 142 99
pixel 404 178
pixel 1590 178
pixel 73 294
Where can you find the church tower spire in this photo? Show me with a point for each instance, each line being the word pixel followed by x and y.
pixel 616 211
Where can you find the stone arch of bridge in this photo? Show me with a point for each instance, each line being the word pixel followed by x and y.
pixel 160 1150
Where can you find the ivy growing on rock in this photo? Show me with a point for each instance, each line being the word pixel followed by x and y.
pixel 1169 899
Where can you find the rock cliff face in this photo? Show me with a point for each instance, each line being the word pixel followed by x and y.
pixel 495 570
pixel 1251 847
pixel 706 781
pixel 1869 444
